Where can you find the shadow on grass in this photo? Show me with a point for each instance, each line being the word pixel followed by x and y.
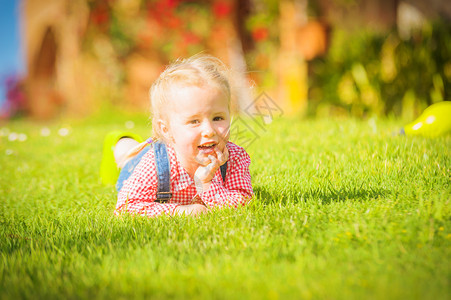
pixel 325 194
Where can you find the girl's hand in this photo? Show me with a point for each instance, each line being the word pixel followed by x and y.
pixel 204 174
pixel 191 209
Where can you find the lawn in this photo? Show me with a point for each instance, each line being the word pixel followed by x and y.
pixel 343 210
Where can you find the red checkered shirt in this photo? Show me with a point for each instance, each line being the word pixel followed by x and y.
pixel 138 193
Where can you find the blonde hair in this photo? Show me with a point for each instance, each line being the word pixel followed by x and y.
pixel 199 70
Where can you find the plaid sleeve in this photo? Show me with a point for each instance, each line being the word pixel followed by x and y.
pixel 237 190
pixel 138 194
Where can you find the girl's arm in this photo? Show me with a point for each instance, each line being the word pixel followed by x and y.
pixel 190 209
pixel 138 194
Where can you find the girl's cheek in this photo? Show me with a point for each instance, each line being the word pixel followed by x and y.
pixel 225 131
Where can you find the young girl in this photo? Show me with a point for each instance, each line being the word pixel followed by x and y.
pixel 189 166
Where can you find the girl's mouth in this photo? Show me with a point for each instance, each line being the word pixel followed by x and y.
pixel 207 147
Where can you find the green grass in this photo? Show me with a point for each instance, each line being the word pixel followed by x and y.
pixel 342 210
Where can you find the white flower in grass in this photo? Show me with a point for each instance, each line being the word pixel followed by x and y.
pixel 22 137
pixel 4 131
pixel 129 124
pixel 372 124
pixel 9 152
pixel 13 136
pixel 63 131
pixel 45 131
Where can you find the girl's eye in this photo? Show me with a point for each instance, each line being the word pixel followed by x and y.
pixel 218 118
pixel 194 122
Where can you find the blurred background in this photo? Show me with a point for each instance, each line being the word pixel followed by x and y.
pixel 321 58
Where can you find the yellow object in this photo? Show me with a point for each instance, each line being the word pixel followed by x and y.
pixel 434 121
pixel 109 172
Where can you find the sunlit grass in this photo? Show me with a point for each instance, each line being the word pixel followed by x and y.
pixel 343 209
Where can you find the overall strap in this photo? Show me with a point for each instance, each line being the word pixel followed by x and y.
pixel 224 171
pixel 163 172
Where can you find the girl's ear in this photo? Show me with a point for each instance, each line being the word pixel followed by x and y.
pixel 164 129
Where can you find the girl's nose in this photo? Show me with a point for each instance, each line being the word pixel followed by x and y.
pixel 207 130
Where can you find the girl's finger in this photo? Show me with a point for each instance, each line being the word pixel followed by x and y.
pixel 226 154
pixel 213 166
pixel 213 159
pixel 222 156
pixel 204 161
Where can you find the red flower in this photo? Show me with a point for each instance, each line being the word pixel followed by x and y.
pixel 190 38
pixel 171 4
pixel 100 15
pixel 163 12
pixel 222 9
pixel 173 22
pixel 260 34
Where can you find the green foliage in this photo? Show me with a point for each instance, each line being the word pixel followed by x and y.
pixel 369 73
pixel 343 210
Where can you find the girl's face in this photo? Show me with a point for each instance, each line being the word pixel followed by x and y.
pixel 197 123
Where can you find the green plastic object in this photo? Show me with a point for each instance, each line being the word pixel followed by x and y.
pixel 109 171
pixel 433 122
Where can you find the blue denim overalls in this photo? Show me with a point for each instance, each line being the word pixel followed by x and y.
pixel 163 171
